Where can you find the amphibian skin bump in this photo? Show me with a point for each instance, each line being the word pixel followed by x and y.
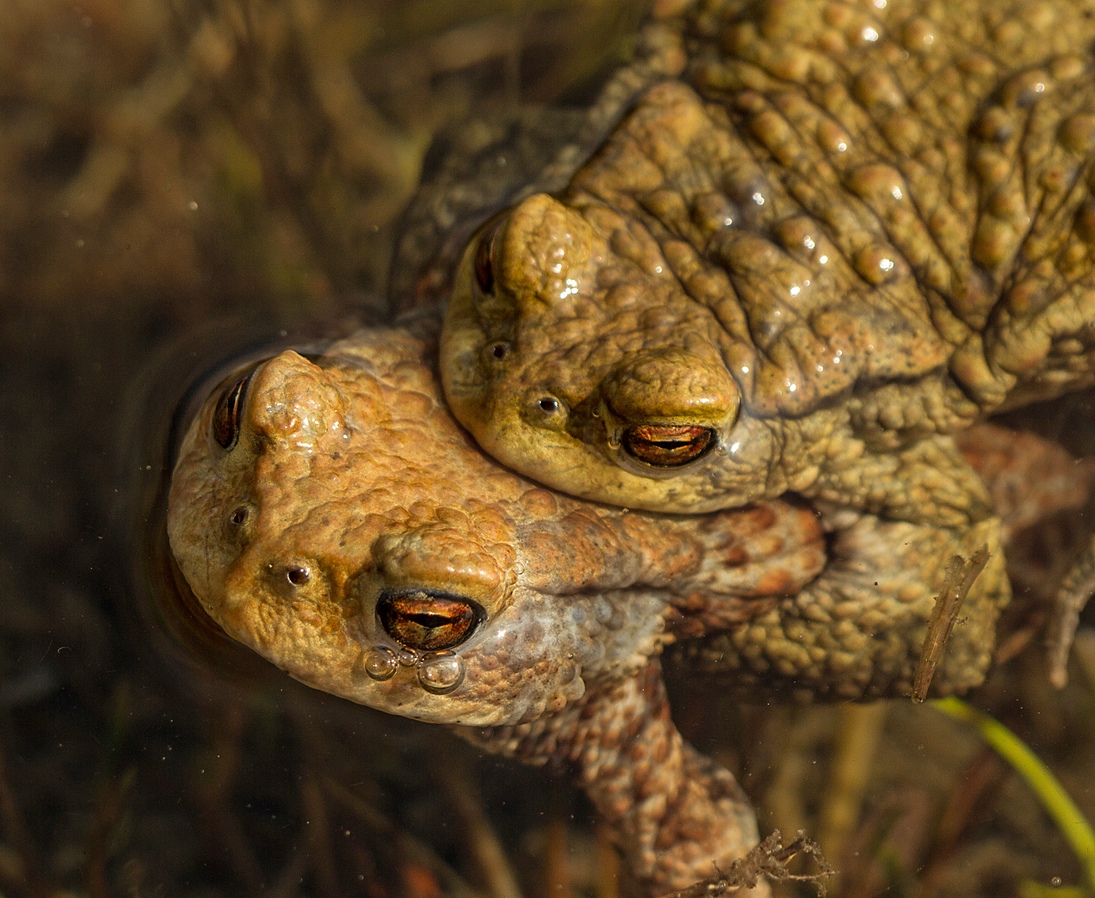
pixel 833 236
pixel 732 352
pixel 333 516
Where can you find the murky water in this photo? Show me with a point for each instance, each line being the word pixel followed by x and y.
pixel 185 179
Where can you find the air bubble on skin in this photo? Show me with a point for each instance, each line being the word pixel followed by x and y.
pixel 869 34
pixel 381 663
pixel 441 673
pixel 758 198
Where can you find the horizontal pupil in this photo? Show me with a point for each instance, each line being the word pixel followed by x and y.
pixel 433 621
pixel 427 622
pixel 668 445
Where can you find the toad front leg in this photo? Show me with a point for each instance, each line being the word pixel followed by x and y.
pixel 857 631
pixel 678 816
pixel 894 519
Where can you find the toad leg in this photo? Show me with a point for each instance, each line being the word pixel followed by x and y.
pixel 857 631
pixel 675 814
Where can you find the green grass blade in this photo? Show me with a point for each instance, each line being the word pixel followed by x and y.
pixel 1069 819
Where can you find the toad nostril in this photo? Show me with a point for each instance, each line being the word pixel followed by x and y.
pixel 428 620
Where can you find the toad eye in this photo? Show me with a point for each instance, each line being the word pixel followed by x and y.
pixel 298 574
pixel 668 446
pixel 483 262
pixel 228 414
pixel 428 621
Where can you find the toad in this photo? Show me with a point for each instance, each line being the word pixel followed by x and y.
pixel 822 238
pixel 330 514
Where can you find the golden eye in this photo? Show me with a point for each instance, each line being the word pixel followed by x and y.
pixel 228 414
pixel 670 445
pixel 428 621
pixel 483 262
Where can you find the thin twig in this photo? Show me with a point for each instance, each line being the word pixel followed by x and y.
pixel 956 586
pixel 768 859
pixel 1073 594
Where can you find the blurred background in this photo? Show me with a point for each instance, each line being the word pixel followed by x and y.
pixel 176 179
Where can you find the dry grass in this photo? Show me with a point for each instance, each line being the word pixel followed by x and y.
pixel 165 165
